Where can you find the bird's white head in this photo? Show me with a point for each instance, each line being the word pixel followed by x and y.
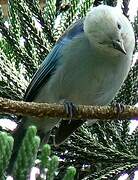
pixel 109 30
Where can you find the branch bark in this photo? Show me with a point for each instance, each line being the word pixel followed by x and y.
pixel 57 110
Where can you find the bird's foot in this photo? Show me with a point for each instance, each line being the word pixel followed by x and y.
pixel 119 108
pixel 70 108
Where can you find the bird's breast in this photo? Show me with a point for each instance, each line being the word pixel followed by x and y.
pixel 87 81
pixel 84 76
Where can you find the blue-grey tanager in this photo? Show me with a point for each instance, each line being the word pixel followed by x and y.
pixel 86 66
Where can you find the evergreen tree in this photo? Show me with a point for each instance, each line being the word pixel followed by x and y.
pixel 104 151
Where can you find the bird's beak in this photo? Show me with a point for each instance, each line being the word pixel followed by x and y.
pixel 119 46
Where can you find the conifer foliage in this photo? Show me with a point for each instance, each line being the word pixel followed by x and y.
pixel 103 151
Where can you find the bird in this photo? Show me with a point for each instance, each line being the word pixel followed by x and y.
pixel 87 65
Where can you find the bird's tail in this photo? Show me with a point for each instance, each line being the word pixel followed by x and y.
pixel 66 128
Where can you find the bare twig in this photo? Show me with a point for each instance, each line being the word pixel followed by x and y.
pixel 58 110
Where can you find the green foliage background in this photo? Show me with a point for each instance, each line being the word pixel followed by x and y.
pixel 103 151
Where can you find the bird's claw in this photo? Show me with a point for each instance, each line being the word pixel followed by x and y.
pixel 119 108
pixel 70 109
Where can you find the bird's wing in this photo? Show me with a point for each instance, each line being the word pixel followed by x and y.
pixel 49 64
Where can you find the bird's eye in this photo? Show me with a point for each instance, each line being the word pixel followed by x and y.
pixel 119 26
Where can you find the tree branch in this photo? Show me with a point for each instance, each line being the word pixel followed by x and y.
pixel 57 110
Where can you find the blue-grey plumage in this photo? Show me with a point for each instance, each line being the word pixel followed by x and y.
pixel 87 65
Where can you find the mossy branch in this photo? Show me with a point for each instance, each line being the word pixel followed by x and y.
pixel 58 110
